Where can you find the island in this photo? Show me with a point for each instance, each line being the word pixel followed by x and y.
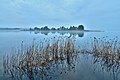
pixel 62 28
pixel 53 29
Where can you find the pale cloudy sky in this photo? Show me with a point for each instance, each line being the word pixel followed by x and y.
pixel 94 14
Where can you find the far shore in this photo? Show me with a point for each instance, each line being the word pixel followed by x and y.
pixel 65 30
pixel 22 29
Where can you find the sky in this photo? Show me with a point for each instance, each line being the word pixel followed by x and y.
pixel 93 14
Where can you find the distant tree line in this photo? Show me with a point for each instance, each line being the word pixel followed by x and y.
pixel 80 27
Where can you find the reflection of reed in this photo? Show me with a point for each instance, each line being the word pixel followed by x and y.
pixel 38 60
pixel 107 54
pixel 108 65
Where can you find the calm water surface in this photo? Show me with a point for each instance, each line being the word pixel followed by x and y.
pixel 84 67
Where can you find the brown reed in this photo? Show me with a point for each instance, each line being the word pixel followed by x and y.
pixel 39 55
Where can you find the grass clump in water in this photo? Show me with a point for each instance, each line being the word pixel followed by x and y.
pixel 108 49
pixel 39 57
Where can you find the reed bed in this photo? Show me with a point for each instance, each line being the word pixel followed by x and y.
pixel 106 52
pixel 39 57
pixel 37 60
pixel 106 48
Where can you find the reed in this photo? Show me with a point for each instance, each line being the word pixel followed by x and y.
pixel 36 60
pixel 107 48
pixel 38 56
pixel 107 53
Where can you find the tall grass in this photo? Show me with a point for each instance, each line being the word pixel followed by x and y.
pixel 106 52
pixel 107 48
pixel 39 57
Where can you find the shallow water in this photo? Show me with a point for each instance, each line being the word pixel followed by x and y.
pixel 83 68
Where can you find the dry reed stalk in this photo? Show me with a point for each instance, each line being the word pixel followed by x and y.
pixel 39 56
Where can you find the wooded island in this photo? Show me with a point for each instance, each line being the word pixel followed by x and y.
pixel 80 27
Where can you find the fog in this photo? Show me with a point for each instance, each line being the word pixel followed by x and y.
pixel 100 14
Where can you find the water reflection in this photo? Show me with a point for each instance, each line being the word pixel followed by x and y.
pixel 60 58
pixel 52 71
pixel 108 65
pixel 77 33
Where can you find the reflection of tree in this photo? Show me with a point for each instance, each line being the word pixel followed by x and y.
pixel 81 34
pixel 72 34
pixel 45 32
pixel 53 32
pixel 36 32
pixel 108 65
pixel 62 33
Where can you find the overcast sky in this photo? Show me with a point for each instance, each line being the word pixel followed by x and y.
pixel 94 14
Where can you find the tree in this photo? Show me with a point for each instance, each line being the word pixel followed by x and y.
pixel 31 29
pixel 53 29
pixel 73 28
pixel 36 28
pixel 62 28
pixel 70 28
pixel 45 28
pixel 80 27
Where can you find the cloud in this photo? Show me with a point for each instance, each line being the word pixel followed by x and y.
pixel 70 12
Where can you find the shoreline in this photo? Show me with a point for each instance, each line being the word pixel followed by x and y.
pixel 65 30
pixel 22 29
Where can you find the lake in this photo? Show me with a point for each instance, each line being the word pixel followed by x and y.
pixel 83 67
